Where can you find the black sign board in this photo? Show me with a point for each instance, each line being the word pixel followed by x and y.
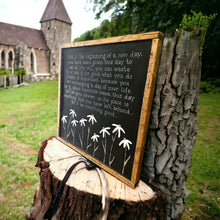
pixel 105 94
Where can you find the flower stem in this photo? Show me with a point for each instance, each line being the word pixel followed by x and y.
pixel 95 149
pixel 125 161
pixel 104 149
pixel 64 129
pixel 68 126
pixel 73 134
pixel 110 161
pixel 82 137
pixel 87 140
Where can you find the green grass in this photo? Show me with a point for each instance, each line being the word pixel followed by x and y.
pixel 28 115
pixel 204 181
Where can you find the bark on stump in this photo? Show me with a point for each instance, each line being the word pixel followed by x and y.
pixel 82 193
pixel 173 124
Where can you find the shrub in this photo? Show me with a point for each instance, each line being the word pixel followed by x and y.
pixel 21 71
pixel 209 87
pixel 5 72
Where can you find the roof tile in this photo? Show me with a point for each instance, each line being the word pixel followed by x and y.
pixel 55 10
pixel 13 35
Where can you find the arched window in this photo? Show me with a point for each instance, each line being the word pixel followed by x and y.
pixel 2 59
pixel 32 62
pixel 10 59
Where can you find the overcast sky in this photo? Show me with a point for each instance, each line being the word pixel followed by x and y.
pixel 29 12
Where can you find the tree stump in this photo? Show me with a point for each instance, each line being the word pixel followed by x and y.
pixel 173 128
pixel 82 196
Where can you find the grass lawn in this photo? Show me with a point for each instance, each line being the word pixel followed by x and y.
pixel 28 115
pixel 204 181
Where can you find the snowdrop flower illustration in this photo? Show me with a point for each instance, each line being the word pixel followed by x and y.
pixel 104 132
pixel 126 144
pixel 95 139
pixel 64 119
pixel 118 129
pixel 82 122
pixel 92 119
pixel 74 122
pixel 72 113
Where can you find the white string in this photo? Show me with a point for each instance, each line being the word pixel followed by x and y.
pixel 105 194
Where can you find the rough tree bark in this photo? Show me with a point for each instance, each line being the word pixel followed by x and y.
pixel 173 124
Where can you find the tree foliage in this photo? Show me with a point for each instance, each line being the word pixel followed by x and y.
pixel 137 16
pixel 197 22
pixel 116 27
pixel 21 71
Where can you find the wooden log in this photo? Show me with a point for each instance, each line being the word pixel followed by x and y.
pixel 82 196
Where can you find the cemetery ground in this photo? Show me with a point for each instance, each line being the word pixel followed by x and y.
pixel 28 115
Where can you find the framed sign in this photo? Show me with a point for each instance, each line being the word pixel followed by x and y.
pixel 105 92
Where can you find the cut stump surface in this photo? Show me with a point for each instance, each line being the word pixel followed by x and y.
pixel 82 194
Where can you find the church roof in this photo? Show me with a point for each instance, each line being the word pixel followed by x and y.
pixel 13 35
pixel 55 10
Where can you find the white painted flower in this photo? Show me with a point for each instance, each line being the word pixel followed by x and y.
pixel 64 119
pixel 73 113
pixel 125 143
pixel 74 122
pixel 92 119
pixel 82 122
pixel 104 131
pixel 118 129
pixel 95 137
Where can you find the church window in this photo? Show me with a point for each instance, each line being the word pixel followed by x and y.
pixel 3 58
pixel 32 62
pixel 10 59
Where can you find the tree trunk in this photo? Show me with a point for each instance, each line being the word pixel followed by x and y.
pixel 83 196
pixel 173 124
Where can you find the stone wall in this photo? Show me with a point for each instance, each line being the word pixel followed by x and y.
pixel 9 81
pixel 43 58
pixel 56 33
pixel 21 58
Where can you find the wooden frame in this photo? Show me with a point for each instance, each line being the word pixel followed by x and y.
pixel 154 55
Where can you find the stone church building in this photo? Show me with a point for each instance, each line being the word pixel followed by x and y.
pixel 36 50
